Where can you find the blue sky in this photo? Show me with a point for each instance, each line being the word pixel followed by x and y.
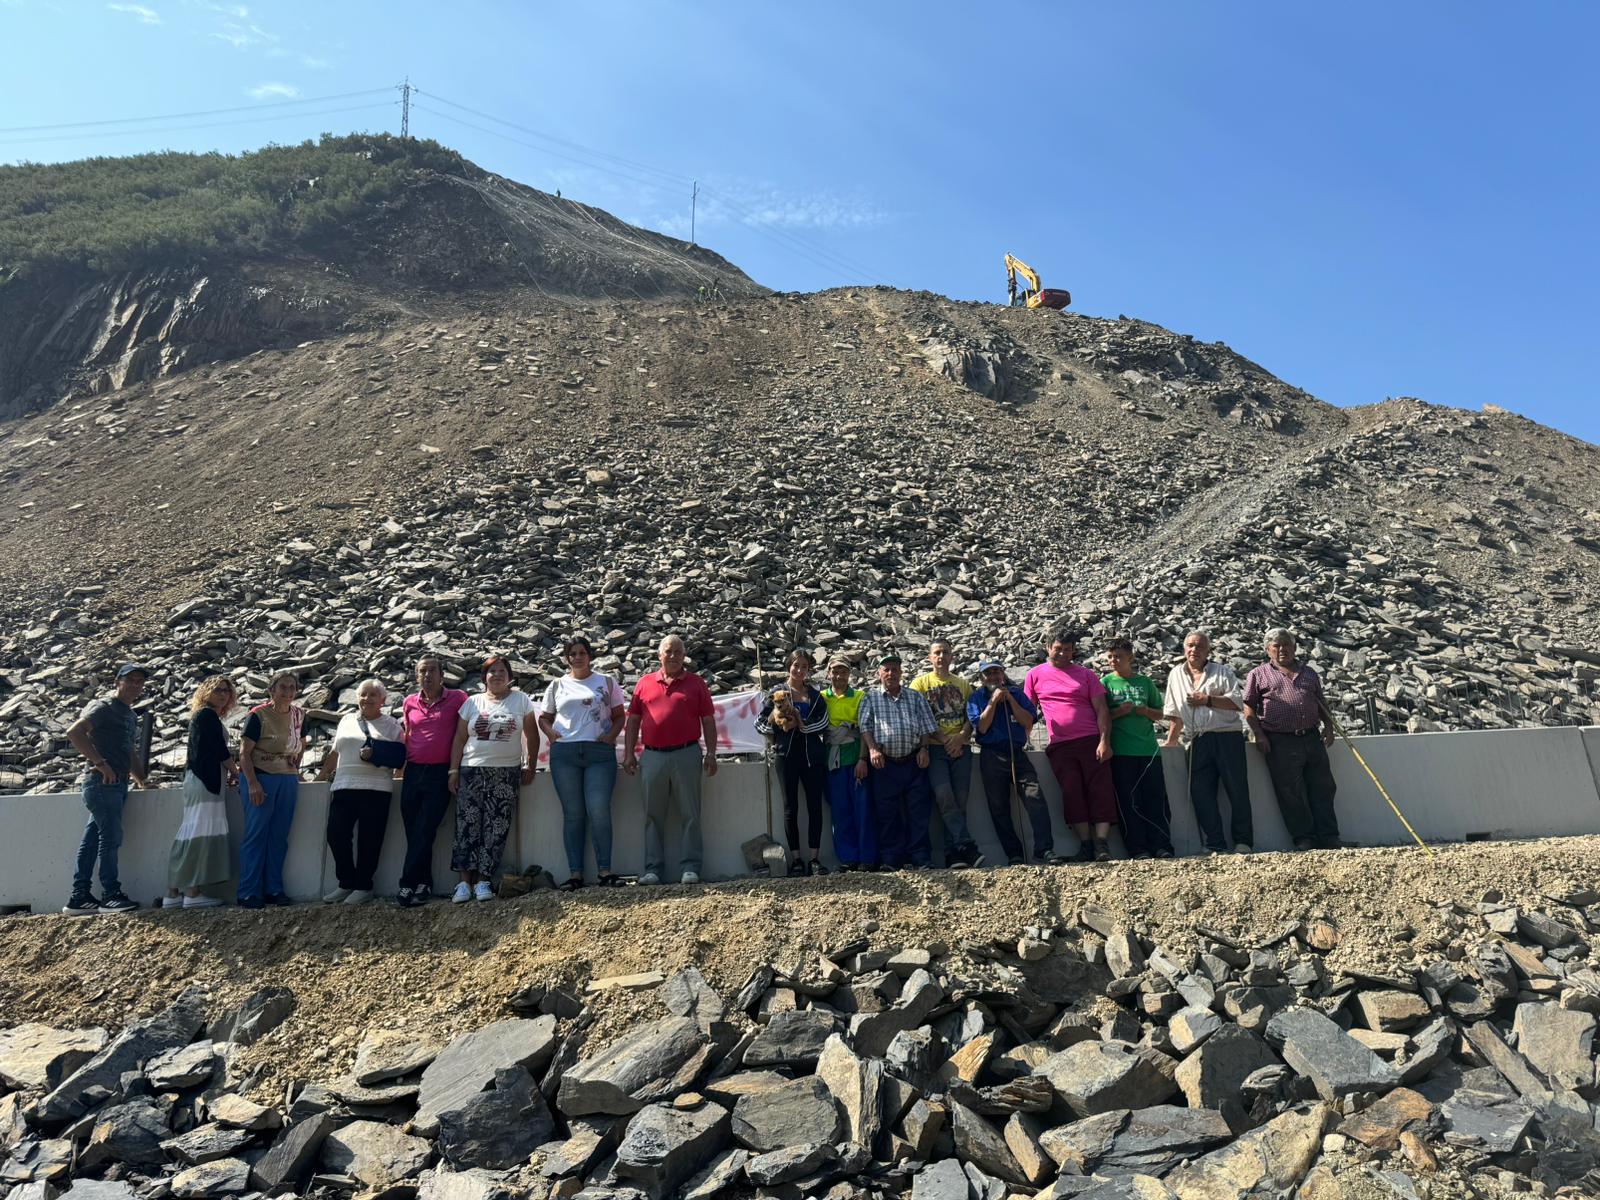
pixel 1368 199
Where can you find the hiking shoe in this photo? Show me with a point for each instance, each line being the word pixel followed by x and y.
pixel 649 879
pixel 462 894
pixel 1014 861
pixel 1102 850
pixel 1243 848
pixel 358 896
pixel 690 877
pixel 1166 852
pixel 338 896
pixel 482 891
pixel 974 856
pixel 81 906
pixel 279 900
pixel 201 902
pixel 117 904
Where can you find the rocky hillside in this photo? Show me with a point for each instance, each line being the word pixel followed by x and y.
pixel 115 271
pixel 493 469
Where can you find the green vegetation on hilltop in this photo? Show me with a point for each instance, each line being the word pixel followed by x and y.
pixel 115 214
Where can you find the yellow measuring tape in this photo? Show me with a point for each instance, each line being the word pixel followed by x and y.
pixel 1372 775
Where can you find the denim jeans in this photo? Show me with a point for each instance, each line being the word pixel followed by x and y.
pixel 951 781
pixel 855 836
pixel 585 774
pixel 102 837
pixel 266 836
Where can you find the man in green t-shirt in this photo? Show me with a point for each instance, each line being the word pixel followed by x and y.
pixel 1136 772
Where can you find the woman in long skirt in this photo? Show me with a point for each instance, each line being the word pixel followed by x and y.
pixel 200 849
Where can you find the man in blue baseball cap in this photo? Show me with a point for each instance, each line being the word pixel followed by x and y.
pixel 1003 717
pixel 107 735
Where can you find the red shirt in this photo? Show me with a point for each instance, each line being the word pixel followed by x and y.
pixel 670 711
pixel 431 728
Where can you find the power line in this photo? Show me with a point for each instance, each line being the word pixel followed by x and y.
pixel 209 112
pixel 94 133
pixel 781 238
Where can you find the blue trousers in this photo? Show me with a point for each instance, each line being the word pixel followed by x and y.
pixel 266 836
pixel 102 837
pixel 901 806
pixel 855 837
pixel 951 781
pixel 585 774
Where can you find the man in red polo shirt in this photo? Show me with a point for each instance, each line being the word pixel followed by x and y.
pixel 672 710
pixel 428 723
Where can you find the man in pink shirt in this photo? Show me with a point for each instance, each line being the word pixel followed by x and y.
pixel 428 721
pixel 1072 701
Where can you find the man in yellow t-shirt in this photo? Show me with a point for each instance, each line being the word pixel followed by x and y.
pixel 949 757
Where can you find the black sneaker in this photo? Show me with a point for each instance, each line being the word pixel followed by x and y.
pixel 1102 850
pixel 1051 859
pixel 974 857
pixel 421 895
pixel 815 867
pixel 81 906
pixel 118 903
pixel 1166 852
pixel 1085 853
pixel 279 900
pixel 251 902
pixel 1014 861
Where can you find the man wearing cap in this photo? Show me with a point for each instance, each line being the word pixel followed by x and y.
pixel 855 840
pixel 1003 717
pixel 1205 705
pixel 1283 703
pixel 106 734
pixel 949 763
pixel 896 726
pixel 1073 702
pixel 672 712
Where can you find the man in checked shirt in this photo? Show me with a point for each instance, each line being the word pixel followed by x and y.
pixel 896 726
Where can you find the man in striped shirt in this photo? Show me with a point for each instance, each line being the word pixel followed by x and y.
pixel 896 726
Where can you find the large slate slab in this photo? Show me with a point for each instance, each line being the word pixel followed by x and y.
pixel 376 1153
pixel 130 1133
pixel 1269 1161
pixel 856 1086
pixel 981 1144
pixel 292 1153
pixel 467 1065
pixel 36 1057
pixel 871 1033
pixel 224 1177
pixel 791 1039
pixel 382 1056
pixel 1096 1077
pixel 172 1027
pixel 1558 1042
pixel 207 1143
pixel 1213 1075
pixel 796 1112
pixel 1335 1062
pixel 1158 1138
pixel 500 1128
pixel 641 1066
pixel 663 1146
pixel 1489 1120
pixel 257 1015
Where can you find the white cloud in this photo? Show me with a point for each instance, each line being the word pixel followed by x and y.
pixel 242 33
pixel 314 63
pixel 145 16
pixel 271 91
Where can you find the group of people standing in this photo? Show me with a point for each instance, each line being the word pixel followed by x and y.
pixel 881 759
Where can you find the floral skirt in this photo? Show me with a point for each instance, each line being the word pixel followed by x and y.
pixel 485 803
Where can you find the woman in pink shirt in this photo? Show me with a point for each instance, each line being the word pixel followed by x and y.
pixel 1072 701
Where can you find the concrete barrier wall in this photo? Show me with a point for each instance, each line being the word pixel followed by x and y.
pixel 1451 786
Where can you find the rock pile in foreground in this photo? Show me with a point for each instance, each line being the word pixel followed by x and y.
pixel 1077 1059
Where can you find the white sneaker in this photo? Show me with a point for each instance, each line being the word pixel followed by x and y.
pixel 337 896
pixel 1243 848
pixel 359 896
pixel 649 879
pixel 690 877
pixel 172 902
pixel 483 891
pixel 201 902
pixel 462 894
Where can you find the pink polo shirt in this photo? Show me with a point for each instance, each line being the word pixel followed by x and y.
pixel 431 728
pixel 1065 699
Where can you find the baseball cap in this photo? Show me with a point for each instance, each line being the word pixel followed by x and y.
pixel 127 669
pixel 887 657
pixel 989 664
pixel 839 660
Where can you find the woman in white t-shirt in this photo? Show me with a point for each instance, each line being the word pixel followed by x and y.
pixel 496 747
pixel 359 801
pixel 581 716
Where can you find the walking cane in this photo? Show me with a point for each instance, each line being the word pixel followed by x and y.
pixel 1026 835
pixel 766 747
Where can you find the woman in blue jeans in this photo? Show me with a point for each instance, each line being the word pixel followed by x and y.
pixel 581 717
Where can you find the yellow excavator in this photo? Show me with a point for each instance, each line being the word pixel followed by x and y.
pixel 1032 296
